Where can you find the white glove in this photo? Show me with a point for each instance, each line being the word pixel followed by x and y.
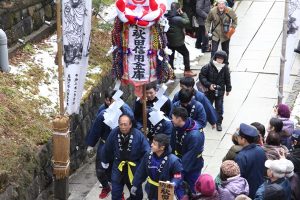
pixel 133 190
pixel 89 150
pixel 105 165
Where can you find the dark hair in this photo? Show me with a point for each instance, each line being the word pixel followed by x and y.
pixel 277 124
pixel 273 138
pixel 108 94
pixel 152 85
pixel 185 95
pixel 249 139
pixel 187 81
pixel 261 128
pixel 175 6
pixel 181 112
pixel 123 115
pixel 234 139
pixel 162 140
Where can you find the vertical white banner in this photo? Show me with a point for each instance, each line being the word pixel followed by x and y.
pixel 76 22
pixel 138 59
pixel 292 37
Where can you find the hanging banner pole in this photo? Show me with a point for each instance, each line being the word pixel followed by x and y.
pixel 61 137
pixel 59 54
pixel 283 52
pixel 145 130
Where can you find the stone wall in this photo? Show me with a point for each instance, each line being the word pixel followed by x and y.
pixel 41 187
pixel 22 17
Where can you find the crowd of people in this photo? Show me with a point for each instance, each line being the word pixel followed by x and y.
pixel 263 163
pixel 199 19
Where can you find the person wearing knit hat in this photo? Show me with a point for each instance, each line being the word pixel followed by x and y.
pixel 251 158
pixel 232 184
pixel 283 113
pixel 205 188
pixel 278 172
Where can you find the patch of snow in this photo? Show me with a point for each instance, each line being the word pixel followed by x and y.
pixel 107 13
pixel 48 88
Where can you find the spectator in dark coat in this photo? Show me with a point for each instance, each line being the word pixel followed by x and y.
pixel 261 132
pixel 234 149
pixel 273 148
pixel 294 155
pixel 216 77
pixel 276 125
pixel 278 171
pixel 178 20
pixel 202 10
pixel 251 158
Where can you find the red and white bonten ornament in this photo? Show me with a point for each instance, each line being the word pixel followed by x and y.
pixel 143 13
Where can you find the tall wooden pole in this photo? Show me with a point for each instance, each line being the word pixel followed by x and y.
pixel 145 111
pixel 61 137
pixel 59 54
pixel 283 50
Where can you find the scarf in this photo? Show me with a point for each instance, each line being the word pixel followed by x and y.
pixel 219 66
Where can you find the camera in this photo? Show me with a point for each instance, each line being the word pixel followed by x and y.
pixel 209 36
pixel 226 27
pixel 217 88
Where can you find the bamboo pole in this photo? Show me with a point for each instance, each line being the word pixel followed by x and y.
pixel 283 50
pixel 61 137
pixel 59 54
pixel 145 130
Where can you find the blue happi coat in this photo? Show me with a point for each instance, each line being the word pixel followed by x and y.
pixel 196 112
pixel 162 127
pixel 99 130
pixel 152 169
pixel 187 143
pixel 111 151
pixel 138 109
pixel 211 114
pixel 101 108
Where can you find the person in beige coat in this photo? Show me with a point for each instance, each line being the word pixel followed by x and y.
pixel 220 24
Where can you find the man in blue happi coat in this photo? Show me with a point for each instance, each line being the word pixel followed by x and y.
pixel 189 83
pixel 187 143
pixel 99 132
pixel 164 126
pixel 125 147
pixel 151 90
pixel 159 165
pixel 108 94
pixel 193 107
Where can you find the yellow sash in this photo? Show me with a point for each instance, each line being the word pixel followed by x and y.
pixel 152 181
pixel 129 164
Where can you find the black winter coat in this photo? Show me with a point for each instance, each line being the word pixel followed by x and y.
pixel 294 156
pixel 176 32
pixel 210 75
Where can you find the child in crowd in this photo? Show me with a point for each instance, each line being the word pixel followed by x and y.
pixel 232 184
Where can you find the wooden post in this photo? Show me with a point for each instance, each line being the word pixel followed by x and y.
pixel 283 50
pixel 165 191
pixel 145 130
pixel 61 137
pixel 59 54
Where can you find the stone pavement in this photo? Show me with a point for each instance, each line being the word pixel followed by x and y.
pixel 254 63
